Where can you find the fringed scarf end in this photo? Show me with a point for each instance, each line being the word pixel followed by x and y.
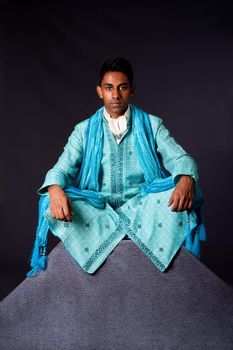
pixel 194 245
pixel 38 260
pixel 41 265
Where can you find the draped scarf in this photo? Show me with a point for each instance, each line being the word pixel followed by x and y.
pixel 87 185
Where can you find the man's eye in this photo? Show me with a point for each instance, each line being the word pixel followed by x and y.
pixel 122 88
pixel 108 88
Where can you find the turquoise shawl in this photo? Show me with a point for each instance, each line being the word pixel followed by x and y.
pixel 87 186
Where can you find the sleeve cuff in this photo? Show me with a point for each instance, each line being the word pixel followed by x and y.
pixel 52 178
pixel 177 177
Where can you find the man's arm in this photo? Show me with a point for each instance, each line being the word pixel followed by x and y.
pixel 182 167
pixel 61 175
pixel 64 171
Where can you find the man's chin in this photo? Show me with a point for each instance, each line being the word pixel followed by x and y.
pixel 117 109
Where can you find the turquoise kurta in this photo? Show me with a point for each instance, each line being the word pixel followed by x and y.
pixel 94 233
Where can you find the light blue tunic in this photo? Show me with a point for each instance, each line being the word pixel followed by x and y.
pixel 94 233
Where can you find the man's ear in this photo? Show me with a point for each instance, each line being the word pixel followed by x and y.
pixel 99 91
pixel 132 90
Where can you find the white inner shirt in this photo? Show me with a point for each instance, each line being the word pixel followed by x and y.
pixel 117 125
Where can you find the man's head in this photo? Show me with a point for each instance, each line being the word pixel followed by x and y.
pixel 115 85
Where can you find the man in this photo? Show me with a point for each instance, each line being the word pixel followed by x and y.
pixel 113 159
pixel 115 89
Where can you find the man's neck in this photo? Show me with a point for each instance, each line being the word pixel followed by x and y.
pixel 115 116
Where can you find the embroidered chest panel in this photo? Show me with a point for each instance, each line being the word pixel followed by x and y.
pixel 120 173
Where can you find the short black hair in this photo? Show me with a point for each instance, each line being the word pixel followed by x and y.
pixel 117 64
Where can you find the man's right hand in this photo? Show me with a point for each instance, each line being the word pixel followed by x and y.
pixel 60 204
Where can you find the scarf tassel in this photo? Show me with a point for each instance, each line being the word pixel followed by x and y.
pixel 38 260
pixel 193 245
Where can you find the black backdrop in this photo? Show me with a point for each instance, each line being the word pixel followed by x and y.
pixel 182 54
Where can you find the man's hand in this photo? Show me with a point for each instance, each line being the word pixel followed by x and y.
pixel 60 204
pixel 183 195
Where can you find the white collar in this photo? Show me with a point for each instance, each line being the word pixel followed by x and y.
pixel 117 125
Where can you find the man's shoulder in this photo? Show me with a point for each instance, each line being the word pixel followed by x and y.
pixel 155 118
pixel 155 121
pixel 79 131
pixel 82 124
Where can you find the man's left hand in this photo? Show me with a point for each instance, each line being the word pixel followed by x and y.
pixel 183 195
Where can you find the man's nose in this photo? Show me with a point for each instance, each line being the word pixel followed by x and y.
pixel 115 94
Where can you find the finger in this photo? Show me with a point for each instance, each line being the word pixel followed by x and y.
pixel 67 218
pixel 175 204
pixel 190 204
pixel 52 213
pixel 60 214
pixel 181 205
pixel 55 214
pixel 170 200
pixel 67 213
pixel 184 205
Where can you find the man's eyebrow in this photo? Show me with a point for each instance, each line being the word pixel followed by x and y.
pixel 109 84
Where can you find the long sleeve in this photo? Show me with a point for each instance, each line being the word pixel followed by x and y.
pixel 67 166
pixel 174 158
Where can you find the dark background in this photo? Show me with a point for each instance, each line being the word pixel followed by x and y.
pixel 182 54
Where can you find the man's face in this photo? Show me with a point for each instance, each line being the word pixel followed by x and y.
pixel 115 90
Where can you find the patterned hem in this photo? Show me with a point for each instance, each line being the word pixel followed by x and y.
pixel 106 243
pixel 139 242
